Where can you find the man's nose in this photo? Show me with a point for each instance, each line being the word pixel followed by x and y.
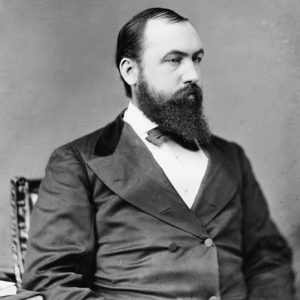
pixel 191 73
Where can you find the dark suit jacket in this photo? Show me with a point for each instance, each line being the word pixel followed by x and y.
pixel 109 225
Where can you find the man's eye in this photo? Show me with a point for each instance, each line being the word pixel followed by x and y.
pixel 174 60
pixel 198 59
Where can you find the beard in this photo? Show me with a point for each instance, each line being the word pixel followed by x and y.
pixel 179 115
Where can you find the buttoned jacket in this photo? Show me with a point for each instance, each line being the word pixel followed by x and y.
pixel 109 225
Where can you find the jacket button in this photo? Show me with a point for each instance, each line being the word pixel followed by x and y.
pixel 208 243
pixel 173 247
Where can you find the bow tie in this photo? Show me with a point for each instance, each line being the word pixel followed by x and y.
pixel 156 137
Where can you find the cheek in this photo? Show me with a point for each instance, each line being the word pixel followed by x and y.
pixel 163 81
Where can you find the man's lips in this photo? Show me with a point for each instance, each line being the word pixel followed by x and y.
pixel 191 96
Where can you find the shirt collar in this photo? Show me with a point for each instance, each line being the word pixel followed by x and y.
pixel 138 121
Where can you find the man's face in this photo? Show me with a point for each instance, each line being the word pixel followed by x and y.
pixel 168 89
pixel 171 56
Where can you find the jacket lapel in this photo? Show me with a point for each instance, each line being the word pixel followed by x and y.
pixel 129 170
pixel 218 186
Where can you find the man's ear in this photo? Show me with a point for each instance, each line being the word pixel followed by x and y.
pixel 129 70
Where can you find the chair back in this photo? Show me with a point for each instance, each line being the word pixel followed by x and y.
pixel 24 194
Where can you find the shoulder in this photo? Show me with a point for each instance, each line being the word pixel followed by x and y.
pixel 104 138
pixel 232 154
pixel 228 148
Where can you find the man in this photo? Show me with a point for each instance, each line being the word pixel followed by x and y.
pixel 153 206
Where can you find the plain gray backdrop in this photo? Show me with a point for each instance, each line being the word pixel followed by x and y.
pixel 58 81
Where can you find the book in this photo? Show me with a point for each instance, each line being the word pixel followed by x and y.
pixel 7 288
pixel 8 291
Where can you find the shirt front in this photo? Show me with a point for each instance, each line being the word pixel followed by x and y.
pixel 184 168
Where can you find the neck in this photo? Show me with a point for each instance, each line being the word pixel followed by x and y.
pixel 134 100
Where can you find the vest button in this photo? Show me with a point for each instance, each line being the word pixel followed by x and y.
pixel 208 243
pixel 173 247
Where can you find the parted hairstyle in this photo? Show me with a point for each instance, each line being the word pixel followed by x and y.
pixel 130 38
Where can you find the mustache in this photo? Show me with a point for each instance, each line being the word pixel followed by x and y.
pixel 191 89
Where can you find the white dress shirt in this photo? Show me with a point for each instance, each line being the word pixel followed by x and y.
pixel 184 168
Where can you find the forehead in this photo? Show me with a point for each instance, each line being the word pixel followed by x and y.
pixel 162 36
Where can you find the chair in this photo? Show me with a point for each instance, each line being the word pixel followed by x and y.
pixel 24 194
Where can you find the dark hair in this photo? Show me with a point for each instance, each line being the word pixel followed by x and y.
pixel 130 37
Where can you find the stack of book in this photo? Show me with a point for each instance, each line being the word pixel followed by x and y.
pixel 8 291
pixel 7 288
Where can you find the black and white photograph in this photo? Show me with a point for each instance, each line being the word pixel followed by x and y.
pixel 149 150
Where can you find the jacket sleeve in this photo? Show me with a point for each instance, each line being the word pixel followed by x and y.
pixel 61 248
pixel 267 257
